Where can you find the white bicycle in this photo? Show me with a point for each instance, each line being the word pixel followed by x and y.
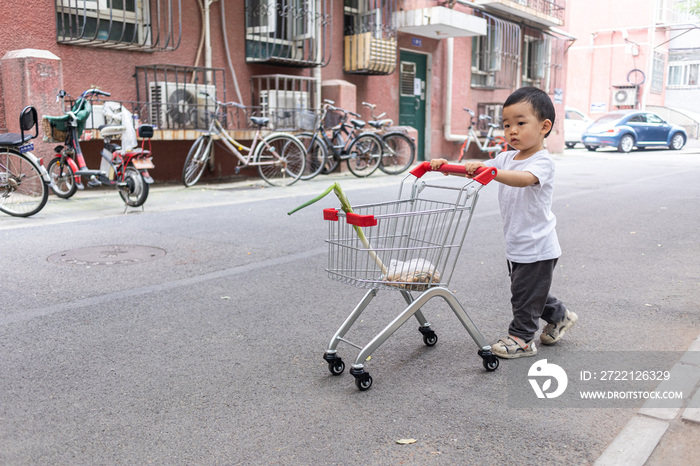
pixel 492 144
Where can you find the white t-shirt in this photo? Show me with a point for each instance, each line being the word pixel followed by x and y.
pixel 528 221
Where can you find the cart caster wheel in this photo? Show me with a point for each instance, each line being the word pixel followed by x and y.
pixel 430 339
pixel 363 382
pixel 491 363
pixel 336 367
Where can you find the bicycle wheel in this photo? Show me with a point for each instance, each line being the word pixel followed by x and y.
pixel 281 159
pixel 365 153
pixel 196 160
pixel 62 179
pixel 315 156
pixel 23 191
pixel 135 192
pixel 399 153
pixel 332 161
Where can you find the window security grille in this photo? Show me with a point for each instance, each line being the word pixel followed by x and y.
pixel 146 25
pixel 288 32
pixel 495 55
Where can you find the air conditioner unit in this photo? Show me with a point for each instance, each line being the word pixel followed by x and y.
pixel 283 108
pixel 624 96
pixel 180 105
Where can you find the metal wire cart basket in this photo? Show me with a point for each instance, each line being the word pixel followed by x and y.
pixel 409 245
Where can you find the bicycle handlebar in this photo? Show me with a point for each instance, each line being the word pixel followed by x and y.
pixel 223 104
pixel 483 175
pixel 93 92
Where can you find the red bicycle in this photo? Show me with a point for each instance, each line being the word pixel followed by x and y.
pixel 124 169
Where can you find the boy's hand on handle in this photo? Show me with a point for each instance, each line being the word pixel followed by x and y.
pixel 481 173
pixel 472 167
pixel 437 163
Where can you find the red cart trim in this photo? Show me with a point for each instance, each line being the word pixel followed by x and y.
pixel 361 220
pixel 330 214
pixel 483 175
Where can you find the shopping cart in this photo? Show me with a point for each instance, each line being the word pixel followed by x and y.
pixel 407 245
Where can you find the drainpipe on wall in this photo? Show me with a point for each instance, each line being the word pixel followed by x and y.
pixel 316 74
pixel 207 38
pixel 447 127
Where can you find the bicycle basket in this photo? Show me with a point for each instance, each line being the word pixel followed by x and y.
pixel 55 129
pixel 307 120
pixel 332 118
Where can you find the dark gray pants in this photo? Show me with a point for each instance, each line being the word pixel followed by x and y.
pixel 530 298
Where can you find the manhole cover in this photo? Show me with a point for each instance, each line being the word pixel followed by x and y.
pixel 108 255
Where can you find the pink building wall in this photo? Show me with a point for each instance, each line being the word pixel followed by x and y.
pixel 613 38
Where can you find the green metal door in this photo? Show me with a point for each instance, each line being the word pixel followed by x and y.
pixel 413 73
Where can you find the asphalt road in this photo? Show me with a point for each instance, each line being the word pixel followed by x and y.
pixel 212 352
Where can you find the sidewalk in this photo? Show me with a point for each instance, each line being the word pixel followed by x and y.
pixel 661 436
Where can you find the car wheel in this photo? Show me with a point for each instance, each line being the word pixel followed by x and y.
pixel 677 142
pixel 591 148
pixel 626 143
pixel 569 145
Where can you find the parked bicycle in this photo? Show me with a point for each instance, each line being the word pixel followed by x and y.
pixel 24 182
pixel 399 150
pixel 361 151
pixel 124 169
pixel 280 157
pixel 492 144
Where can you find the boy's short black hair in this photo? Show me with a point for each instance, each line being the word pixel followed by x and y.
pixel 538 99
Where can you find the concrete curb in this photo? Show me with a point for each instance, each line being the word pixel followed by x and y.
pixel 636 442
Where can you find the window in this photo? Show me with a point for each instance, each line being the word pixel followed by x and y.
pixel 655 119
pixel 287 20
pixel 286 32
pixel 495 111
pixel 495 55
pixel 362 16
pixel 657 73
pixel 109 23
pixel 408 78
pixel 369 42
pixel 683 74
pixel 533 61
pixel 574 115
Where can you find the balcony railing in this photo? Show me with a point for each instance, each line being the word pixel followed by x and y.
pixel 370 36
pixel 172 95
pixel 544 12
pixel 288 101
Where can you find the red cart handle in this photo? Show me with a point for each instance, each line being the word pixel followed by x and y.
pixel 483 175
